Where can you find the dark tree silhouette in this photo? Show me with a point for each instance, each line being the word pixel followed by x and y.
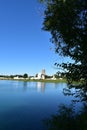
pixel 66 20
pixel 25 75
pixel 67 119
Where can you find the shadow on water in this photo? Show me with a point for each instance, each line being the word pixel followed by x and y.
pixel 66 117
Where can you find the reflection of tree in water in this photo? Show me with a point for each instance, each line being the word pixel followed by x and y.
pixel 67 118
pixel 79 92
pixel 24 85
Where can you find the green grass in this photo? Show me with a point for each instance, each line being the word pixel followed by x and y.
pixel 42 80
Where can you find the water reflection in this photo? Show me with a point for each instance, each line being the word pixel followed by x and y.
pixel 37 86
pixel 23 105
pixel 30 86
pixel 25 86
pixel 40 86
pixel 67 119
pixel 34 86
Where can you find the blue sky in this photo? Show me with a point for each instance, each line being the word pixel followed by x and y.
pixel 24 46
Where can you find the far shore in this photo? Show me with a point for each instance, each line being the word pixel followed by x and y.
pixel 38 80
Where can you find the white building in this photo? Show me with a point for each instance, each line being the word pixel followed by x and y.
pixel 40 75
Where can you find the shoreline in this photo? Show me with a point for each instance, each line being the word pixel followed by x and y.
pixel 38 80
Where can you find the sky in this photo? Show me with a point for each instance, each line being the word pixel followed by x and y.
pixel 24 46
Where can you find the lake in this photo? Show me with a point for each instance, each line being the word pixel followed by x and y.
pixel 24 105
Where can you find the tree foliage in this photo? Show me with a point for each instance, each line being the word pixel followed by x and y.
pixel 25 75
pixel 66 20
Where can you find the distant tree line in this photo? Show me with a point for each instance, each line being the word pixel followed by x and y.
pixel 17 75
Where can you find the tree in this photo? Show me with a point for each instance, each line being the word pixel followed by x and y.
pixel 66 20
pixel 25 75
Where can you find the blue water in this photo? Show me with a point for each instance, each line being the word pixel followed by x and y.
pixel 24 105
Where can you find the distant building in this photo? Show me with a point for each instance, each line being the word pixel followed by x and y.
pixel 43 71
pixel 16 77
pixel 43 74
pixel 40 75
pixel 54 78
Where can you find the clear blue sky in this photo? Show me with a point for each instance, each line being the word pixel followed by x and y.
pixel 24 47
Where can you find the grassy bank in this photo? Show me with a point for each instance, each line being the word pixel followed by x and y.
pixel 43 80
pixel 38 80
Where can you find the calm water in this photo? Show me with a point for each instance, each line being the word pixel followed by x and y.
pixel 24 105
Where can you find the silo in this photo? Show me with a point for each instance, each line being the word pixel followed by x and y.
pixel 43 71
